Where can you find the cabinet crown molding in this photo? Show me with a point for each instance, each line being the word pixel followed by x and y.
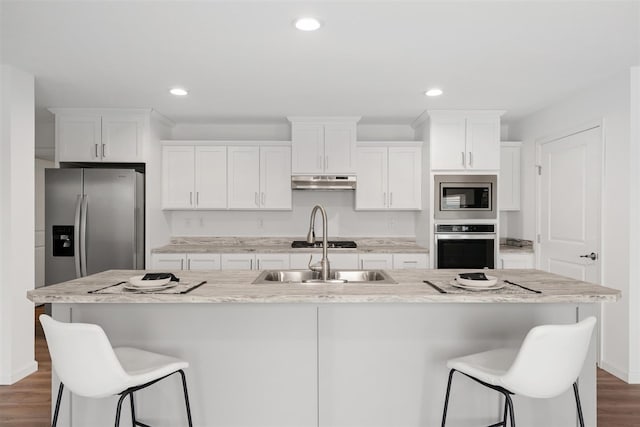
pixel 324 119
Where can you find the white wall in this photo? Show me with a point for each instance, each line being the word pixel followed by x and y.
pixel 607 101
pixel 16 224
pixel 343 220
pixel 40 166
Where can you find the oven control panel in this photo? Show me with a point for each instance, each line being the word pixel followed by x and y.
pixel 465 228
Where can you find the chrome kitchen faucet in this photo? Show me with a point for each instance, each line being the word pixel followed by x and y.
pixel 323 265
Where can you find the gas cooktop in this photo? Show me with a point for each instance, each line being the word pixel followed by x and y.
pixel 333 244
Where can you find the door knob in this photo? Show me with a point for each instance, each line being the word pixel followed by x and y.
pixel 593 256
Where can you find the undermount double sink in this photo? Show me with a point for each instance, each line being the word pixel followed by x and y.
pixel 335 276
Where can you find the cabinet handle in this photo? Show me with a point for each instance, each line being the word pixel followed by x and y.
pixel 470 159
pixel 258 264
pixel 103 150
pixel 190 198
pixel 463 160
pixel 255 199
pixel 384 199
pixel 97 155
pixel 181 264
pixel 319 162
pixel 189 264
pixel 262 202
pixel 361 264
pixel 326 162
pixel 197 197
pixel 250 264
pixel 390 199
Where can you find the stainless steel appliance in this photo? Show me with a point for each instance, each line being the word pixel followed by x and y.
pixel 323 182
pixel 465 197
pixel 94 221
pixel 331 244
pixel 465 246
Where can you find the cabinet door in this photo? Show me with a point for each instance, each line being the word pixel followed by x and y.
pixel 307 148
pixel 447 141
pixel 371 192
pixel 177 177
pixel 509 179
pixel 237 261
pixel 516 260
pixel 375 261
pixel 272 262
pixel 340 261
pixel 275 177
pixel 122 137
pixel 405 178
pixel 339 148
pixel 78 137
pixel 211 177
pixel 168 262
pixel 483 142
pixel 203 261
pixel 300 261
pixel 243 177
pixel 409 261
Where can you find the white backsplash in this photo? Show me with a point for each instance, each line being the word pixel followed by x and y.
pixel 344 221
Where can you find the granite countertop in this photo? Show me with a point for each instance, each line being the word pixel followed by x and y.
pixel 283 245
pixel 235 286
pixel 515 246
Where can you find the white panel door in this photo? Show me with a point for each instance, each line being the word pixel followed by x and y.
pixel 340 148
pixel 405 178
pixel 570 193
pixel 78 137
pixel 307 148
pixel 211 177
pixel 275 177
pixel 177 177
pixel 447 140
pixel 372 192
pixel 243 177
pixel 483 142
pixel 122 137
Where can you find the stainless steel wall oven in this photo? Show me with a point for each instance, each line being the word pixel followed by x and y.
pixel 465 246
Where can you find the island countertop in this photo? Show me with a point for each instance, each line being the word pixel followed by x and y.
pixel 235 286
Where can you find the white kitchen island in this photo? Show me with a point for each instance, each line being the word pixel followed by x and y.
pixel 327 355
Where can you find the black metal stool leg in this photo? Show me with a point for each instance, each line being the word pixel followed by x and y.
pixel 512 417
pixel 578 405
pixel 57 410
pixel 122 396
pixel 446 398
pixel 133 410
pixel 186 397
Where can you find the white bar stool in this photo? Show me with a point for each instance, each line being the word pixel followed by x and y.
pixel 546 365
pixel 85 362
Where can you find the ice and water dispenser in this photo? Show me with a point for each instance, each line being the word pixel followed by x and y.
pixel 63 243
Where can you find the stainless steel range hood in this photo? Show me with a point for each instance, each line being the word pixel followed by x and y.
pixel 323 182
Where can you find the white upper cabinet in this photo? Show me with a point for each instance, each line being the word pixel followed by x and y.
pixel 389 176
pixel 465 140
pixel 323 145
pixel 100 135
pixel 259 177
pixel 194 177
pixel 509 179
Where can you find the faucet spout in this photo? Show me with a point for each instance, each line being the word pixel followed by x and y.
pixel 311 238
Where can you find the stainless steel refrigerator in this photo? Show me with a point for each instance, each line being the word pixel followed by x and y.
pixel 94 221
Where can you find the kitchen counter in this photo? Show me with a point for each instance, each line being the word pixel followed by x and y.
pixel 308 355
pixel 510 249
pixel 235 286
pixel 283 245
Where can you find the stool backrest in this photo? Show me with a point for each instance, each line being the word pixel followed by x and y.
pixel 550 359
pixel 83 358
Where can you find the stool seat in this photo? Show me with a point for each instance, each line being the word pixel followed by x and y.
pixel 144 366
pixel 488 366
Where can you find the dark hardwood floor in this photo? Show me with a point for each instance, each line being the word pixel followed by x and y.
pixel 28 403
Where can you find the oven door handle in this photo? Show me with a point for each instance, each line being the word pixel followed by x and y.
pixel 463 236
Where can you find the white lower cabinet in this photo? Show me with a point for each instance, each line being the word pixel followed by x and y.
pixel 408 261
pixel 300 261
pixel 375 261
pixel 173 262
pixel 244 261
pixel 514 260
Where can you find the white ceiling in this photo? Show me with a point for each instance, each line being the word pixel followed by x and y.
pixel 244 61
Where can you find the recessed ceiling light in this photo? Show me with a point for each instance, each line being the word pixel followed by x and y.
pixel 178 91
pixel 433 92
pixel 307 24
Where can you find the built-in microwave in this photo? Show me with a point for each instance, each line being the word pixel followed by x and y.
pixel 465 197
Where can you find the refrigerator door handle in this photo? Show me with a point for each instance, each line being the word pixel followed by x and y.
pixel 76 237
pixel 83 236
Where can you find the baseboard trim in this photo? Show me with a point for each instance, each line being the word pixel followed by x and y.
pixel 615 371
pixel 16 376
pixel 634 377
